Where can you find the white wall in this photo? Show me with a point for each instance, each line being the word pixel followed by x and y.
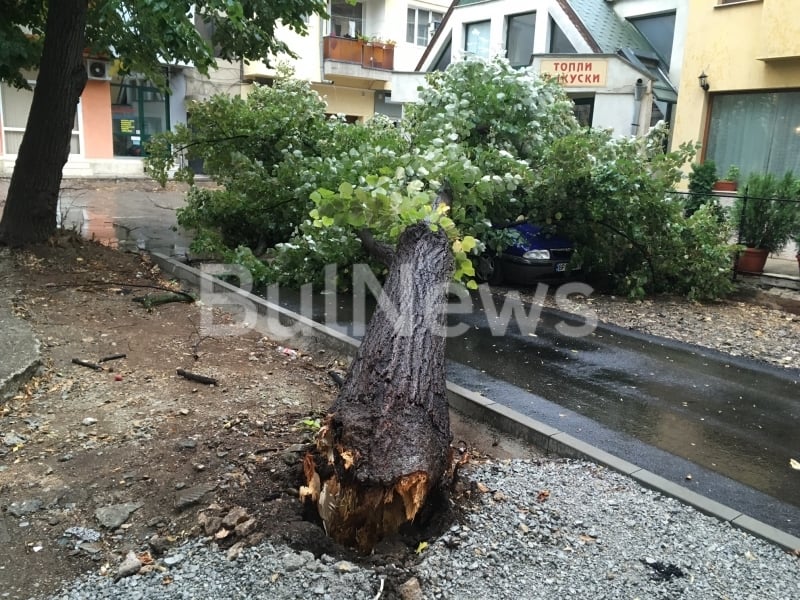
pixel 404 86
pixel 385 19
pixel 614 104
pixel 406 55
pixel 177 106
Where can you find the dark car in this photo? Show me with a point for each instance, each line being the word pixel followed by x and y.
pixel 537 254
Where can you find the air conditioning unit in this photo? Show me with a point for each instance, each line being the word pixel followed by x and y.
pixel 97 69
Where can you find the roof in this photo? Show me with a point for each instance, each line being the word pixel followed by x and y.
pixel 614 35
pixel 610 31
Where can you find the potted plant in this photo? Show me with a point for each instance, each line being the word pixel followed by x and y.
pixel 767 216
pixel 730 182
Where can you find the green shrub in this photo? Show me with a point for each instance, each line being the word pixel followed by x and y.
pixel 702 178
pixel 767 212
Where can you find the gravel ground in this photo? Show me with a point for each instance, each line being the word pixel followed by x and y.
pixel 532 529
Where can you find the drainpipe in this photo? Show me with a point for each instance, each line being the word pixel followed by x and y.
pixel 638 93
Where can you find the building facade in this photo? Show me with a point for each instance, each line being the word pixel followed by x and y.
pixel 618 60
pixel 348 58
pixel 747 114
pixel 115 117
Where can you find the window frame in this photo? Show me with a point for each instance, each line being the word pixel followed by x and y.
pixel 431 16
pixel 715 98
pixel 361 19
pixel 509 19
pixel 553 27
pixel 721 3
pixel 467 39
pixel 78 133
pixel 633 20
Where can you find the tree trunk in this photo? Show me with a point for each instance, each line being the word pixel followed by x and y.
pixel 30 214
pixel 386 442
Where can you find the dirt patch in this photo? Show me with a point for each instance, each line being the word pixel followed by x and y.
pixel 134 457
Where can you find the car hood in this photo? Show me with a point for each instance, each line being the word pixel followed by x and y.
pixel 533 237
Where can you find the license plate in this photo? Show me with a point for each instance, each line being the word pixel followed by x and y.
pixel 561 267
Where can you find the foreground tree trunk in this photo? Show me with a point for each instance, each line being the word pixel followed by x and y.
pixel 385 445
pixel 30 214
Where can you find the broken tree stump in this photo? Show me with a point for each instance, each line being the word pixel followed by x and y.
pixel 384 446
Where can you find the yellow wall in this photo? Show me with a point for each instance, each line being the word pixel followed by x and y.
pixel 730 44
pixel 348 101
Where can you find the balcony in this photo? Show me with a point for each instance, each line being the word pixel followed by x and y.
pixel 370 62
pixel 370 55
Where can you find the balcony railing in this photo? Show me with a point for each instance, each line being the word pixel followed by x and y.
pixel 370 55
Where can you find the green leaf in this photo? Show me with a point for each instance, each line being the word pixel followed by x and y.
pixel 468 243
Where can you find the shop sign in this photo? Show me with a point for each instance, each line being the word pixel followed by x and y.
pixel 576 72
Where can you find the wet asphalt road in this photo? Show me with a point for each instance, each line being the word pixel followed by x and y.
pixel 737 417
pixel 675 409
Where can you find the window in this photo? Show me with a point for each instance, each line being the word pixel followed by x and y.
pixel 758 132
pixel 444 57
pixel 477 38
pixel 138 110
pixel 583 109
pixel 559 42
pixel 421 25
pixel 206 28
pixel 519 40
pixel 14 108
pixel 659 31
pixel 347 20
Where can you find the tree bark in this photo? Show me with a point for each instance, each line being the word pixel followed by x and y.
pixel 30 214
pixel 385 445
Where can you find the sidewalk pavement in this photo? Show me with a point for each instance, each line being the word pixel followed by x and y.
pixel 782 265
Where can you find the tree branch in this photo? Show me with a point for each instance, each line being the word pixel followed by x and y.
pixel 445 195
pixel 378 250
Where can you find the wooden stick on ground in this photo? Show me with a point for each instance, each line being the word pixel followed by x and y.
pixel 86 363
pixel 112 357
pixel 197 378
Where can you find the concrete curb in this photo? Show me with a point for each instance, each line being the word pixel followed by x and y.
pixel 487 411
pixel 20 351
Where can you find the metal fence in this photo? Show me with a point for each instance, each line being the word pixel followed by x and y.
pixel 726 200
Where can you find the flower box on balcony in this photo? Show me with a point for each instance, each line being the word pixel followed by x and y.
pixel 368 54
pixel 342 49
pixel 378 55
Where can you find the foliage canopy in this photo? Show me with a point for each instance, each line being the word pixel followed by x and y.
pixel 506 144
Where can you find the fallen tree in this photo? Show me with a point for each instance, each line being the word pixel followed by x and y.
pixel 385 444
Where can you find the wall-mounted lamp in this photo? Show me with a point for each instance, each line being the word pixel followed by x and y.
pixel 703 79
pixel 639 89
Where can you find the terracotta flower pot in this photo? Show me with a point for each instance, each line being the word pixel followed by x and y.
pixel 752 260
pixel 725 185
